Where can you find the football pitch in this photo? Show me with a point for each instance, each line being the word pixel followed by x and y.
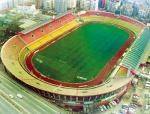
pixel 82 54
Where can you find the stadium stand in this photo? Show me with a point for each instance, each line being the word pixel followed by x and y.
pixel 130 20
pixel 131 60
pixel 132 27
pixel 32 34
pixel 50 36
pixel 112 15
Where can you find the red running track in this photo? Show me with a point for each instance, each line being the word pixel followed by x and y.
pixel 98 80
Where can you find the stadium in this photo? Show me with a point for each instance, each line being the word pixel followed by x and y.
pixel 78 61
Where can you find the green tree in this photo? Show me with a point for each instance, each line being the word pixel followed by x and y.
pixel 12 28
pixel 8 29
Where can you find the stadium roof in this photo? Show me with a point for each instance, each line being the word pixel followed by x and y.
pixel 35 26
pixel 39 24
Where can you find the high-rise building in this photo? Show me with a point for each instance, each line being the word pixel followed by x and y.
pixel 51 4
pixel 135 9
pixel 101 3
pixel 113 5
pixel 84 4
pixel 38 3
pixel 3 4
pixel 48 4
pixel 89 4
pixel 71 4
pixel 148 2
pixel 7 4
pixel 60 6
pixel 94 4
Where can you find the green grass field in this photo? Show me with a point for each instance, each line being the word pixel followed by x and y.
pixel 82 54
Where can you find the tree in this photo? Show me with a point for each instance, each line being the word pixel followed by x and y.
pixel 12 28
pixel 8 29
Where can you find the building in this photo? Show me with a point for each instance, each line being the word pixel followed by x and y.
pixel 126 9
pixel 113 5
pixel 38 3
pixel 48 4
pixel 60 6
pixel 84 4
pixel 135 10
pixel 89 4
pixel 3 5
pixel 143 11
pixel 71 4
pixel 94 5
pixel 8 4
pixel 101 3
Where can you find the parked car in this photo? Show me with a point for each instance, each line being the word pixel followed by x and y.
pixel 146 107
pixel 131 110
pixel 135 97
pixel 101 109
pixel 114 103
pixel 110 105
pixel 147 95
pixel 147 86
pixel 133 106
pixel 104 107
pixel 125 106
pixel 147 82
pixel 123 111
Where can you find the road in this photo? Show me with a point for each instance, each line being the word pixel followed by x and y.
pixel 31 103
pixel 5 106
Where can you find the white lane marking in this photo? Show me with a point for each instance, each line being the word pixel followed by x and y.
pixel 22 109
pixel 10 104
pixel 50 106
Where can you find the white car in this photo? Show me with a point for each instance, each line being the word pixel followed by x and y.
pixel 135 97
pixel 11 96
pixel 131 110
pixel 114 103
pixel 147 86
pixel 147 82
pixel 19 96
pixel 101 109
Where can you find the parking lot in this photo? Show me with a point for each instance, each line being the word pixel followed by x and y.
pixel 135 101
